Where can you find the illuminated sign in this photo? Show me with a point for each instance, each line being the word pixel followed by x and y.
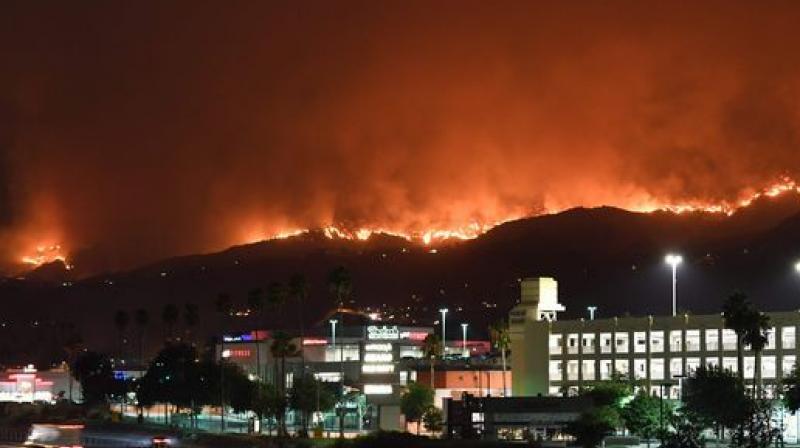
pixel 385 332
pixel 236 353
pixel 414 335
pixel 378 357
pixel 378 389
pixel 311 341
pixel 385 347
pixel 377 368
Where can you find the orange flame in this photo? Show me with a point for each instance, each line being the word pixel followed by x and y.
pixel 46 254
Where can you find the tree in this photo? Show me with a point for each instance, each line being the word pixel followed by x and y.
pixel 609 393
pixel 433 419
pixel 121 321
pixel 223 306
pixel 169 316
pixel 791 391
pixel 498 333
pixel 431 349
pixel 308 395
pixel 593 426
pixel 191 315
pixel 72 346
pixel 757 336
pixel 298 293
pixel 276 295
pixel 340 285
pixel 687 431
pixel 738 312
pixel 255 303
pixel 268 402
pixel 714 397
pixel 282 347
pixel 645 415
pixel 141 318
pixel 94 373
pixel 415 401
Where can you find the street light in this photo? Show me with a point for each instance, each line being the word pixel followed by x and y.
pixel 333 336
pixel 444 327
pixel 674 260
pixel 464 350
pixel 591 310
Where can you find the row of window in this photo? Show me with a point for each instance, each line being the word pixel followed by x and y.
pixel 660 368
pixel 639 342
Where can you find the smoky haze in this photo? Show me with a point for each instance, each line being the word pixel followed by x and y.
pixel 132 131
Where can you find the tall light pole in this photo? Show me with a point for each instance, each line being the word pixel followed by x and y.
pixel 444 327
pixel 341 377
pixel 674 260
pixel 464 350
pixel 591 310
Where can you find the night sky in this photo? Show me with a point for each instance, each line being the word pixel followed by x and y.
pixel 131 131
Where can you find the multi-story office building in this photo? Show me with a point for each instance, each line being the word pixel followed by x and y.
pixel 552 357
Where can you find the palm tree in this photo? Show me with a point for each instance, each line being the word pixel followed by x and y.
pixel 169 316
pixel 141 318
pixel 738 312
pixel 298 293
pixel 498 333
pixel 191 315
pixel 432 349
pixel 756 337
pixel 121 321
pixel 255 302
pixel 340 285
pixel 224 307
pixel 282 347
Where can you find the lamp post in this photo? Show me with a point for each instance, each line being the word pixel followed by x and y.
pixel 444 328
pixel 464 351
pixel 341 377
pixel 591 310
pixel 674 260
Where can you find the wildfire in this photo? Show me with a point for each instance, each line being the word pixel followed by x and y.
pixel 473 230
pixel 46 254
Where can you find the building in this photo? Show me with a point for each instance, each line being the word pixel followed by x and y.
pixel 552 357
pixel 514 418
pixel 28 385
pixel 453 379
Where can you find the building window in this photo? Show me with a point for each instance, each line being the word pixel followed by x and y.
pixel 657 369
pixel 572 344
pixel 749 366
pixel 712 340
pixel 411 352
pixel 768 368
pixel 729 363
pixel 342 352
pixel 676 367
pixel 572 370
pixel 640 342
pixel 692 364
pixel 622 342
pixel 675 341
pixel 605 343
pixel 787 338
pixel 656 341
pixel 712 362
pixel 588 343
pixel 555 344
pixel 692 340
pixel 403 377
pixel 552 391
pixel 639 369
pixel 588 370
pixel 728 339
pixel 770 339
pixel 555 371
pixel 606 369
pixel 788 364
pixel 622 367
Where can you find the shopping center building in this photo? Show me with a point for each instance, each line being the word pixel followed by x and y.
pixel 375 360
pixel 553 357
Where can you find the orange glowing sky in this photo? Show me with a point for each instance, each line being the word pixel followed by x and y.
pixel 131 132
